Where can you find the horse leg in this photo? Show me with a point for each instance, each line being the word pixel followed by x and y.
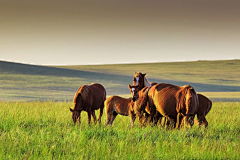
pixel 94 116
pixel 113 117
pixel 205 123
pixel 101 112
pixel 89 117
pixel 133 117
pixel 157 118
pixel 146 118
pixel 108 120
pixel 166 122
pixel 202 121
pixel 152 114
pixel 179 120
pixel 162 122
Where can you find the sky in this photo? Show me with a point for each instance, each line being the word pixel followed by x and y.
pixel 77 32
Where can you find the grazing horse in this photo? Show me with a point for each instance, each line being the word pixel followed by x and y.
pixel 205 106
pixel 88 98
pixel 204 103
pixel 170 101
pixel 115 105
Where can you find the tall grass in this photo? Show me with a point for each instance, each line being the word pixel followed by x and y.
pixel 44 130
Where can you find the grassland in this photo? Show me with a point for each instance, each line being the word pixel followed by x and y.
pixel 44 130
pixel 39 83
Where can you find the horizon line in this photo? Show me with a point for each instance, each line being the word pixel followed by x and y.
pixel 119 63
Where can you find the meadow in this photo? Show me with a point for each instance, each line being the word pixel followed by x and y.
pixel 35 121
pixel 44 130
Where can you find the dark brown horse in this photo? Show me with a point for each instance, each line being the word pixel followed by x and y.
pixel 88 98
pixel 115 105
pixel 205 104
pixel 170 101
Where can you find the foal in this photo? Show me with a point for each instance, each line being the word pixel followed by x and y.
pixel 115 105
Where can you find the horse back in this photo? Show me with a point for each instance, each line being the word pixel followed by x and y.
pixel 163 96
pixel 97 94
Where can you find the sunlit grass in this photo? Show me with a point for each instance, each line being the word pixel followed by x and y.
pixel 44 130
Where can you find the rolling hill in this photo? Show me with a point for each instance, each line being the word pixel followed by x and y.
pixel 30 82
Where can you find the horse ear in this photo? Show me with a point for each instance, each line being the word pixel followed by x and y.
pixel 71 109
pixel 144 74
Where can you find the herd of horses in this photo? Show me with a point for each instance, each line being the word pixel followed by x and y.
pixel 150 102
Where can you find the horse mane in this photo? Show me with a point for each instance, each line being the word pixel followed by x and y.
pixel 83 91
pixel 146 82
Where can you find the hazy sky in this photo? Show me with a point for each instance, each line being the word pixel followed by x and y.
pixel 118 31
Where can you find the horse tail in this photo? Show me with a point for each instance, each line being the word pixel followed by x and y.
pixel 181 98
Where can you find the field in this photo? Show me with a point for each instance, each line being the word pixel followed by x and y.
pixel 44 130
pixel 40 83
pixel 35 121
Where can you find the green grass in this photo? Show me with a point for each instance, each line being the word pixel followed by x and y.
pixel 44 130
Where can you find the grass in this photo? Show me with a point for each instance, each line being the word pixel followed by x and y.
pixel 44 130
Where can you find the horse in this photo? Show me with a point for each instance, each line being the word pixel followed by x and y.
pixel 205 106
pixel 204 103
pixel 88 98
pixel 142 101
pixel 115 105
pixel 140 81
pixel 170 101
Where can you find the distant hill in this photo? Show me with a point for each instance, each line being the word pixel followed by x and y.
pixel 30 82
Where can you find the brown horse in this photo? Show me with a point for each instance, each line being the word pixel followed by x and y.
pixel 88 98
pixel 170 101
pixel 205 106
pixel 141 80
pixel 115 105
pixel 142 103
pixel 204 103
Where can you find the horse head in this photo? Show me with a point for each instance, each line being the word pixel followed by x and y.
pixel 134 91
pixel 140 99
pixel 75 115
pixel 139 79
pixel 77 108
pixel 188 104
